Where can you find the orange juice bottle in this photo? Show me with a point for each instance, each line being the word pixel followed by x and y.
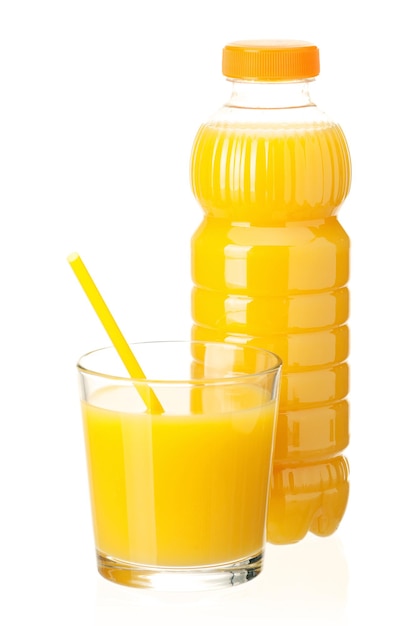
pixel 270 265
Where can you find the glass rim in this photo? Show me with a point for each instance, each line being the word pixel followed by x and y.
pixel 231 379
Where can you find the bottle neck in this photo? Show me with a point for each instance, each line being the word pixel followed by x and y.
pixel 270 95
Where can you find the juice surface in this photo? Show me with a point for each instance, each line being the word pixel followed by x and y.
pixel 179 489
pixel 270 265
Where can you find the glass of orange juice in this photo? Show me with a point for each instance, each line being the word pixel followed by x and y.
pixel 179 462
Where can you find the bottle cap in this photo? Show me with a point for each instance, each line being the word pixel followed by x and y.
pixel 272 60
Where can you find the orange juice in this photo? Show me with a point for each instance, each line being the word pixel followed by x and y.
pixel 270 266
pixel 179 489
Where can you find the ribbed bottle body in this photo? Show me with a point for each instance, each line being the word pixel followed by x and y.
pixel 270 267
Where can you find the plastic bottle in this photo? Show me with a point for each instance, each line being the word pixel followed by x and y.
pixel 270 265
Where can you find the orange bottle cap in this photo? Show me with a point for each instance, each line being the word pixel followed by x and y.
pixel 270 60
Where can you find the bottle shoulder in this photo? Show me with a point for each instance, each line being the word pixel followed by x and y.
pixel 280 170
pixel 231 115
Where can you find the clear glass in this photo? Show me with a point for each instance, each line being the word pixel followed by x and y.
pixel 179 496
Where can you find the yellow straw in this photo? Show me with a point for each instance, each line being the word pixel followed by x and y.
pixel 120 344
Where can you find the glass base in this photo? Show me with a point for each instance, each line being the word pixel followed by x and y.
pixel 179 578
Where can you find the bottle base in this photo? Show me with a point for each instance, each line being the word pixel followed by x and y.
pixel 308 498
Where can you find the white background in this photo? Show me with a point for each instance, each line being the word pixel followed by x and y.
pixel 99 104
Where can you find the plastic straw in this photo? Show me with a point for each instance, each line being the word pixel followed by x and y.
pixel 120 344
